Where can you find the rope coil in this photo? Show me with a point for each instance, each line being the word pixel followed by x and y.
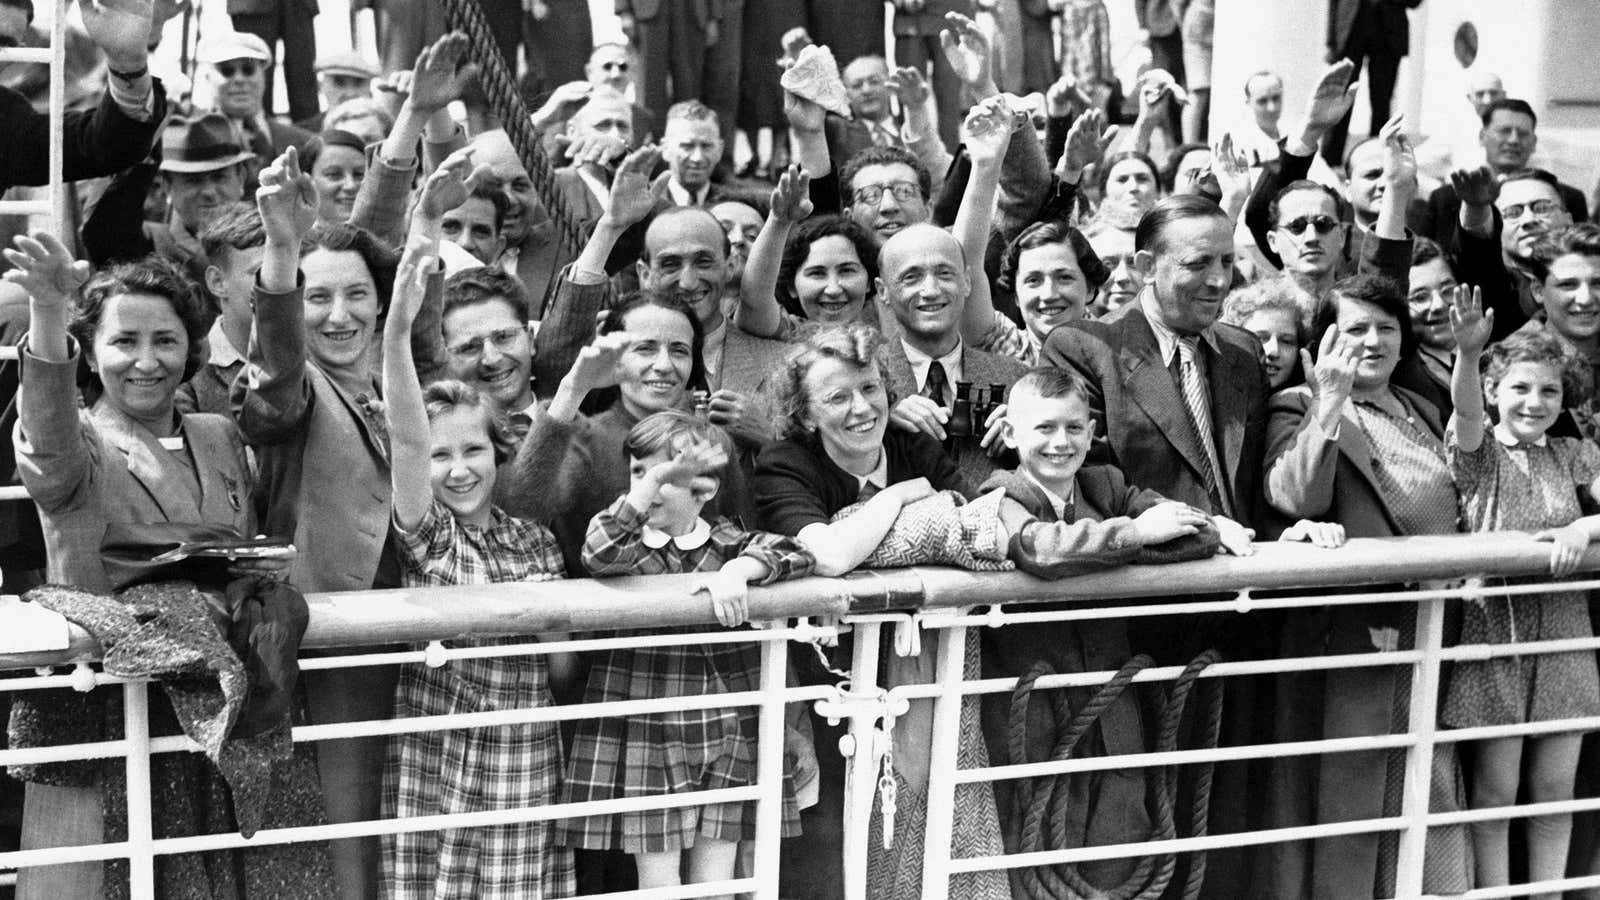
pixel 1044 801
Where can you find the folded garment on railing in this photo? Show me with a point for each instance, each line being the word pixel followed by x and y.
pixel 167 631
pixel 943 529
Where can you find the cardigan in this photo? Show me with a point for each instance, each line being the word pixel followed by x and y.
pixel 798 484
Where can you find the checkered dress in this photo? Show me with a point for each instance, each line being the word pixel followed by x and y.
pixel 666 753
pixel 481 768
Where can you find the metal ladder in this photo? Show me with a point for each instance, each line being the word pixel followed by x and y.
pixel 54 56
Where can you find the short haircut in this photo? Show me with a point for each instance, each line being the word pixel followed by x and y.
pixel 1306 184
pixel 615 320
pixel 1531 174
pixel 1511 104
pixel 153 275
pixel 358 108
pixel 1426 250
pixel 490 193
pixel 667 430
pixel 1582 239
pixel 330 137
pixel 1280 294
pixel 1540 346
pixel 856 345
pixel 798 247
pixel 238 228
pixel 692 111
pixel 381 259
pixel 1384 293
pixel 449 395
pixel 883 156
pixel 1169 172
pixel 618 45
pixel 482 284
pixel 1050 383
pixel 673 212
pixel 1042 234
pixel 1260 73
pixel 1116 159
pixel 1151 233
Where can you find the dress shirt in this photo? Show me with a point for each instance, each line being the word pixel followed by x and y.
pixel 920 362
pixel 681 197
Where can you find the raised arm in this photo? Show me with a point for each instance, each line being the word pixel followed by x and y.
pixel 1472 327
pixel 921 132
pixel 1387 251
pixel 759 312
pixel 1303 433
pixel 986 133
pixel 1330 100
pixel 409 433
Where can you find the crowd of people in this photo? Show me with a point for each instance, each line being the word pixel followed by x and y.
pixel 991 319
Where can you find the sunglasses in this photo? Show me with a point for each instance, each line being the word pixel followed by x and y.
pixel 614 66
pixel 1322 223
pixel 247 69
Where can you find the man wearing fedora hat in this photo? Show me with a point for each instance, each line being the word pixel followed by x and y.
pixel 114 135
pixel 241 67
pixel 341 76
pixel 291 22
pixel 204 165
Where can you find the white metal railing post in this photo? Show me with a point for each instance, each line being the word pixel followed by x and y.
pixel 861 776
pixel 1423 723
pixel 942 763
pixel 62 220
pixel 769 767
pixel 141 837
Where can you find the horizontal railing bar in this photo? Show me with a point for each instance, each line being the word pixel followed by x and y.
pixel 1555 886
pixel 1520 811
pixel 698 889
pixel 25 55
pixel 1184 757
pixel 24 207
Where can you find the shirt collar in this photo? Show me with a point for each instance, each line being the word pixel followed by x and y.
pixel 878 477
pixel 1166 338
pixel 693 539
pixel 681 196
pixel 1057 502
pixel 921 362
pixel 1506 438
pixel 711 347
pixel 223 353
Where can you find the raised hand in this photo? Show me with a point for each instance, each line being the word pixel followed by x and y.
pixel 410 284
pixel 910 86
pixel 1399 159
pixel 987 130
pixel 1332 376
pixel 392 90
pixel 563 103
pixel 966 48
pixel 803 114
pixel 690 460
pixel 1155 84
pixel 1087 141
pixel 791 199
pixel 1331 98
pixel 1231 168
pixel 45 268
pixel 287 199
pixel 440 76
pixel 596 365
pixel 595 149
pixel 1476 187
pixel 121 29
pixel 1166 521
pixel 449 185
pixel 1063 96
pixel 1469 322
pixel 630 199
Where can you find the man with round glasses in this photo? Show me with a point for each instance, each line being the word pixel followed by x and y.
pixel 887 190
pixel 487 340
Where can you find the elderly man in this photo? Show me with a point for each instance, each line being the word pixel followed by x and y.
pixel 922 278
pixel 289 21
pixel 598 137
pixel 1484 88
pixel 679 43
pixel 1509 137
pixel 692 147
pixel 341 76
pixel 240 65
pixel 117 133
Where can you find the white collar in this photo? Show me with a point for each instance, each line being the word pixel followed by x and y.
pixel 1166 338
pixel 598 188
pixel 878 477
pixel 693 539
pixel 921 362
pixel 223 352
pixel 711 349
pixel 1505 437
pixel 681 196
pixel 1057 502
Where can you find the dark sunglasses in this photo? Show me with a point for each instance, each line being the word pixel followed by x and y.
pixel 619 66
pixel 247 69
pixel 1323 224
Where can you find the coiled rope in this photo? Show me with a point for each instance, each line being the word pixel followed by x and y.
pixel 1044 801
pixel 467 17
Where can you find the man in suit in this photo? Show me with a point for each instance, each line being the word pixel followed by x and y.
pixel 238 64
pixel 872 123
pixel 692 147
pixel 600 134
pixel 289 21
pixel 917 24
pixel 1509 137
pixel 675 40
pixel 923 281
pixel 1377 32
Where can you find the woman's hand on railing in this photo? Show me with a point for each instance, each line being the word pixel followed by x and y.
pixel 1328 535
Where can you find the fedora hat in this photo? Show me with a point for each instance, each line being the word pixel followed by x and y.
pixel 203 143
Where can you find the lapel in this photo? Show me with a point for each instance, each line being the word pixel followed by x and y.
pixel 375 442
pixel 147 462
pixel 1228 377
pixel 900 374
pixel 1150 385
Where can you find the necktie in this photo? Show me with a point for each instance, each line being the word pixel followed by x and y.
pixel 936 387
pixel 1195 397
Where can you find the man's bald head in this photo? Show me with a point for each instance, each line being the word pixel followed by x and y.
pixel 923 279
pixel 686 256
pixel 1483 88
pixel 918 238
pixel 605 114
pixel 493 149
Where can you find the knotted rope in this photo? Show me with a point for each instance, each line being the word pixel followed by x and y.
pixel 1044 802
pixel 506 101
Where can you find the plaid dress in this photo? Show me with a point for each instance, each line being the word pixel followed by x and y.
pixel 678 752
pixel 477 769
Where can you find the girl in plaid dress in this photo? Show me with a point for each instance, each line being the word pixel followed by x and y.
pixel 676 465
pixel 444 446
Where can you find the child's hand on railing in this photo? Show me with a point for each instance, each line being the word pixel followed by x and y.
pixel 1168 521
pixel 1236 539
pixel 729 589
pixel 1567 547
pixel 1317 534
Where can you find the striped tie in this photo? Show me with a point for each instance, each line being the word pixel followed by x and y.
pixel 1195 397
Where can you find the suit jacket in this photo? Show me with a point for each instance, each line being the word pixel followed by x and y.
pixel 1146 428
pixel 978 367
pixel 102 141
pixel 698 12
pixel 930 21
pixel 1441 219
pixel 1387 26
pixel 847 137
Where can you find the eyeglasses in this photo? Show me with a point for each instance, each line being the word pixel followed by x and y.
pixel 248 69
pixel 903 191
pixel 614 66
pixel 1322 223
pixel 1537 207
pixel 503 340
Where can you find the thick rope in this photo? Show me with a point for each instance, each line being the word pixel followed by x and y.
pixel 1044 801
pixel 501 89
